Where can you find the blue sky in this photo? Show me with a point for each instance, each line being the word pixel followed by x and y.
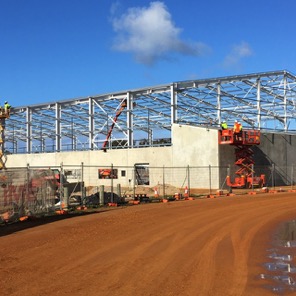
pixel 64 49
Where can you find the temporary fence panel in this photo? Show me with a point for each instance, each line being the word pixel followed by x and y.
pixel 278 175
pixel 38 190
pixel 26 192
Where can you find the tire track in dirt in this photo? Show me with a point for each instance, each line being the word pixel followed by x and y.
pixel 170 261
pixel 206 260
pixel 159 247
pixel 170 256
pixel 241 245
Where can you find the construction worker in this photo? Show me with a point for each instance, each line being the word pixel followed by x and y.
pixel 224 125
pixel 240 127
pixel 237 130
pixel 236 127
pixel 7 107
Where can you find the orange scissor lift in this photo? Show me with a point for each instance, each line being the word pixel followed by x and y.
pixel 243 142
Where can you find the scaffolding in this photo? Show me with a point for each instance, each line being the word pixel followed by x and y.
pixel 261 101
pixel 4 114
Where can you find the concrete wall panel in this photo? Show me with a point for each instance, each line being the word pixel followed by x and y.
pixel 194 146
pixel 191 146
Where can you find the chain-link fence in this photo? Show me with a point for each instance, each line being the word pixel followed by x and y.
pixel 39 191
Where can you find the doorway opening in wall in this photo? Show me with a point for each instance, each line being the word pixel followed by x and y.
pixel 142 173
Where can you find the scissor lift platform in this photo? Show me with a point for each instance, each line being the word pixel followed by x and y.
pixel 247 137
pixel 244 157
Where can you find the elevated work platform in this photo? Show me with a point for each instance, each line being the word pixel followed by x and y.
pixel 243 141
pixel 247 137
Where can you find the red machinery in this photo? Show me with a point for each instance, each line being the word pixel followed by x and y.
pixel 243 142
pixel 123 105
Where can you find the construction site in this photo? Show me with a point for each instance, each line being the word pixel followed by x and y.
pixel 159 142
pixel 180 189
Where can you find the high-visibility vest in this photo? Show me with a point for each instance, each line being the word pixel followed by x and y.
pixel 224 125
pixel 237 128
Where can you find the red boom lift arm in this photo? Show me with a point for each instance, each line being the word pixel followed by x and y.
pixel 122 107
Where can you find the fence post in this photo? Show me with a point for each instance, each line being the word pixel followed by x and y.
pixel 63 197
pixel 163 182
pixel 101 196
pixel 81 185
pixel 118 186
pixel 26 197
pixel 292 176
pixel 27 181
pixel 252 177
pixel 112 198
pixel 188 180
pixel 210 179
pixel 228 176
pixel 134 185
pixel 272 176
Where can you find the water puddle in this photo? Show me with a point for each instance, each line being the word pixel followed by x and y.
pixel 276 256
pixel 280 268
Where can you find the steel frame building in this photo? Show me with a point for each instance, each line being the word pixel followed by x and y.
pixel 264 101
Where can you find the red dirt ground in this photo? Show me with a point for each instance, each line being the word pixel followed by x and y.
pixel 201 247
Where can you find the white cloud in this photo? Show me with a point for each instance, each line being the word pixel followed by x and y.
pixel 238 52
pixel 150 35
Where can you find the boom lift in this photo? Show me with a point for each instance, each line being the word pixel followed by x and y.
pixel 123 105
pixel 243 142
